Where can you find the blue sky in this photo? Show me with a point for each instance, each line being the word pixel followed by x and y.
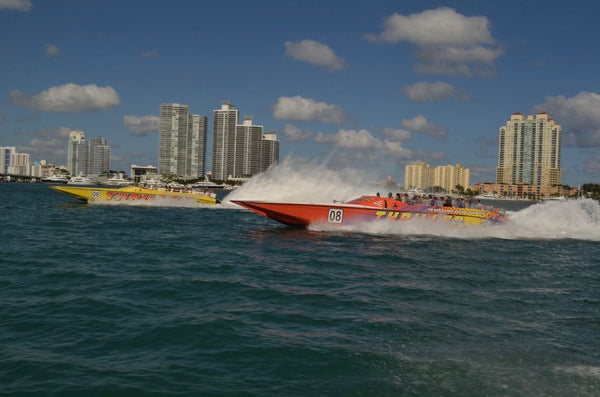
pixel 374 85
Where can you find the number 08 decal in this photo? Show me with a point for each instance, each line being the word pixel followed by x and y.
pixel 335 215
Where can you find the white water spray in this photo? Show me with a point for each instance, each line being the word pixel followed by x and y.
pixel 295 181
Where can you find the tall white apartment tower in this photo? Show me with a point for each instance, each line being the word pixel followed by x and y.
pixel 225 121
pixel 182 147
pixel 529 151
pixel 270 151
pixel 77 154
pixel 99 156
pixel 6 154
pixel 248 149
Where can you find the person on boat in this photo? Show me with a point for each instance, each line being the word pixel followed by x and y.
pixel 448 202
pixel 478 205
pixel 378 195
pixel 398 197
pixel 390 195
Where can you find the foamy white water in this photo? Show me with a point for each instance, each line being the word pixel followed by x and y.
pixel 294 181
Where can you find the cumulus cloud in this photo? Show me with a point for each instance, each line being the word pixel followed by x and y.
pixel 294 134
pixel 579 117
pixel 298 108
pixel 420 124
pixel 364 144
pixel 448 42
pixel 68 98
pixel 149 54
pixel 315 53
pixel 51 50
pixel 48 144
pixel 141 125
pixel 396 134
pixel 350 139
pixel 423 92
pixel 18 5
pixel 397 150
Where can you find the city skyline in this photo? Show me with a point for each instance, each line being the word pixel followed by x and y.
pixel 376 86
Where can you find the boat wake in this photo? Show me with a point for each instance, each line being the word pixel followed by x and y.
pixel 293 181
pixel 161 204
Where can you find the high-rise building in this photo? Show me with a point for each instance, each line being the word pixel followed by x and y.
pixel 6 154
pixel 87 158
pixel 225 121
pixel 270 151
pixel 248 149
pixel 14 163
pixel 450 176
pixel 422 176
pixel 77 154
pixel 99 156
pixel 418 176
pixel 240 150
pixel 529 151
pixel 182 148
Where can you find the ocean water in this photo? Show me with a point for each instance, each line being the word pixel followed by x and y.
pixel 123 300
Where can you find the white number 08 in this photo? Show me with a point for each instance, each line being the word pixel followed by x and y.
pixel 335 215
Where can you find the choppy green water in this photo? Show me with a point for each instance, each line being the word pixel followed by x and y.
pixel 117 300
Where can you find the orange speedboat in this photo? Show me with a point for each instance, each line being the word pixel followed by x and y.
pixel 366 209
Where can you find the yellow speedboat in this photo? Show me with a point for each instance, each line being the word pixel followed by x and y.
pixel 136 195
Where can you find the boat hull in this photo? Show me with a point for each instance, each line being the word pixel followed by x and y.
pixel 133 195
pixel 303 214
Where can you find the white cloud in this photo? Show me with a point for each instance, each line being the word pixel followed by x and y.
pixel 448 42
pixel 423 91
pixel 141 125
pixel 48 145
pixel 298 108
pixel 314 53
pixel 149 54
pixel 295 134
pixel 19 5
pixel 365 145
pixel 579 117
pixel 420 124
pixel 396 134
pixel 395 148
pixel 68 98
pixel 350 139
pixel 51 50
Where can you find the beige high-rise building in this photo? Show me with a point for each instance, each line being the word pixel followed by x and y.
pixel 450 176
pixel 422 176
pixel 529 151
pixel 418 176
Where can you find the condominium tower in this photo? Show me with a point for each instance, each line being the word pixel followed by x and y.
pixel 270 151
pixel 240 150
pixel 182 147
pixel 529 151
pixel 87 158
pixel 77 154
pixel 422 176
